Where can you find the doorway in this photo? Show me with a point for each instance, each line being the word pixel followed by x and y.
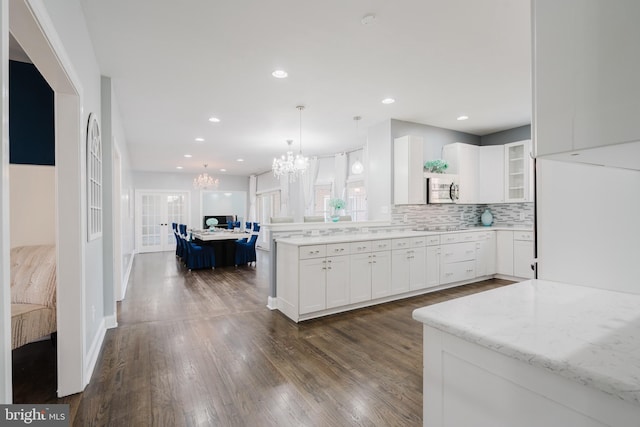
pixel 30 25
pixel 155 211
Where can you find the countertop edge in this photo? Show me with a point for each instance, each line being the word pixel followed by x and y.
pixel 589 378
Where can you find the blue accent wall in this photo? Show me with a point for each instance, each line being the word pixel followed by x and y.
pixel 31 120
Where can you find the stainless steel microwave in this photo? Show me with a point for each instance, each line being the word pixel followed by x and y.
pixel 443 189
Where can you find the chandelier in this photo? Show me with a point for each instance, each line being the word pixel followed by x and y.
pixel 288 164
pixel 204 180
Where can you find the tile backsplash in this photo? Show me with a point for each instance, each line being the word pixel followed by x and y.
pixel 452 215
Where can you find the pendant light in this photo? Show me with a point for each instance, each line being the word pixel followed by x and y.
pixel 357 167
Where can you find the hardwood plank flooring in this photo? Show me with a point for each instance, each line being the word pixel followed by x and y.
pixel 201 348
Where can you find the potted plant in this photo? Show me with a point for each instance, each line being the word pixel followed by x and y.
pixel 337 205
pixel 436 166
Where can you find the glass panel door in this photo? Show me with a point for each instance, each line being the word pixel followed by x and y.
pixel 155 211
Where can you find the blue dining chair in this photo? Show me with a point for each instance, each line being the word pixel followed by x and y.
pixel 246 251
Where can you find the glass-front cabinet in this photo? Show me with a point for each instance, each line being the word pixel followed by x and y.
pixel 518 168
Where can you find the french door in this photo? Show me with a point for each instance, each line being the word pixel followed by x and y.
pixel 155 211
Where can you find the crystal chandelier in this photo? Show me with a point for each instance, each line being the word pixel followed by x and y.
pixel 288 164
pixel 204 180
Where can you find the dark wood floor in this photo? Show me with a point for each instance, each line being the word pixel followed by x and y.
pixel 201 348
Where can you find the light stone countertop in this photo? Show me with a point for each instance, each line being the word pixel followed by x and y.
pixel 380 235
pixel 587 335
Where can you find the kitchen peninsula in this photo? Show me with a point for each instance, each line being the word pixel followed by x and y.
pixel 322 275
pixel 537 353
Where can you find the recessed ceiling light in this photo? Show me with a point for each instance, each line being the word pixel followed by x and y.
pixel 214 120
pixel 223 170
pixel 178 167
pixel 199 139
pixel 388 101
pixel 188 155
pixel 368 19
pixel 463 117
pixel 227 194
pixel 239 160
pixel 280 74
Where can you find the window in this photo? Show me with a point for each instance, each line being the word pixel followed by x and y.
pixel 321 197
pixel 357 201
pixel 268 206
pixel 94 179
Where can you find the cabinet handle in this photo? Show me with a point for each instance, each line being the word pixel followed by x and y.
pixel 329 261
pixel 469 270
pixel 328 268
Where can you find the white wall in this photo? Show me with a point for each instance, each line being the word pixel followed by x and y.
pixel 32 205
pixel 68 22
pixel 184 182
pixel 588 227
pixel 126 188
pixel 378 172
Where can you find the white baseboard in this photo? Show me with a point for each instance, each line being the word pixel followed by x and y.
pixel 272 303
pixel 93 353
pixel 111 322
pixel 125 282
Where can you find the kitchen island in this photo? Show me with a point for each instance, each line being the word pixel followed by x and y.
pixel 536 353
pixel 323 275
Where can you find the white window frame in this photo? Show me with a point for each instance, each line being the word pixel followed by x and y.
pixel 326 209
pixel 360 214
pixel 94 179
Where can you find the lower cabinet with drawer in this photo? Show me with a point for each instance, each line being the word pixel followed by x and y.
pixel 458 257
pixel 408 266
pixel 523 254
pixel 319 279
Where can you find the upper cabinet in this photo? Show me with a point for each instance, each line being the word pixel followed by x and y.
pixel 493 173
pixel 491 160
pixel 586 64
pixel 409 184
pixel 463 161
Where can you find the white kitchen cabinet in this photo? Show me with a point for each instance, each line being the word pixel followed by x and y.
pixel 400 271
pixel 433 266
pixel 409 185
pixel 518 170
pixel 463 161
pixel 585 79
pixel 504 260
pixel 361 274
pixel 457 262
pixel 337 281
pixel 486 254
pixel 491 174
pixel 380 274
pixel 523 254
pixel 313 291
pixel 418 270
pixel 408 270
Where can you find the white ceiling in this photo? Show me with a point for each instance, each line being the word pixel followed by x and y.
pixel 175 64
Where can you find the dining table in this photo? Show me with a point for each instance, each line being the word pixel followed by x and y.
pixel 222 241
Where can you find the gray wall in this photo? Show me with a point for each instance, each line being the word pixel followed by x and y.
pixel 434 137
pixel 506 136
